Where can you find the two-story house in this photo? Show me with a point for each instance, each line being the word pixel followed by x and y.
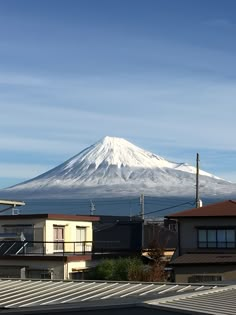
pixel 45 245
pixel 206 243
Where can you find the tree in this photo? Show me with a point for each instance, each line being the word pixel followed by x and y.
pixel 120 269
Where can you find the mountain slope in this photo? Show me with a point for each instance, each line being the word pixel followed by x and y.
pixel 114 166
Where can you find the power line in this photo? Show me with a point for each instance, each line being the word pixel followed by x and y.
pixel 171 207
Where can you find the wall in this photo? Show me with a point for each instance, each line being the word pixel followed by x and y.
pixel 70 233
pixel 118 235
pixel 74 266
pixel 187 228
pixel 182 273
pixel 57 267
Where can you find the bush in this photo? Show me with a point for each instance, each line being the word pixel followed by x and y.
pixel 128 269
pixel 121 269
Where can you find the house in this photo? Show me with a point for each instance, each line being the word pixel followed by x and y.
pixel 157 234
pixel 121 235
pixel 206 243
pixel 45 245
pixel 57 246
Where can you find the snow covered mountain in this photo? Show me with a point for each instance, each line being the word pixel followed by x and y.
pixel 116 167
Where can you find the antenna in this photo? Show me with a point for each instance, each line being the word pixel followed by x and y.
pixel 197 182
pixel 92 208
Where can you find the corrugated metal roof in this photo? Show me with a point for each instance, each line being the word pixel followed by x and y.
pixel 219 301
pixel 26 293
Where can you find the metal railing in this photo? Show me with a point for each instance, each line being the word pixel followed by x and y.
pixel 59 248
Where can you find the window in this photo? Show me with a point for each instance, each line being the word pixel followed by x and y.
pixel 58 234
pixel 216 238
pixel 26 229
pixel 80 238
pixel 204 278
pixel 39 274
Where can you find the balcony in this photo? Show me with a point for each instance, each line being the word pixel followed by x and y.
pixel 60 248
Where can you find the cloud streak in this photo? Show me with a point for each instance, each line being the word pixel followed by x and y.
pixel 117 108
pixel 22 171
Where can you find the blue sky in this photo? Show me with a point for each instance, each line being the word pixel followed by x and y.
pixel 159 73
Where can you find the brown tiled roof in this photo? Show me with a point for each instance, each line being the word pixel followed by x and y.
pixel 200 258
pixel 51 217
pixel 221 209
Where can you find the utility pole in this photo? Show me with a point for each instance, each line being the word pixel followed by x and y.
pixel 142 217
pixel 92 208
pixel 197 182
pixel 142 206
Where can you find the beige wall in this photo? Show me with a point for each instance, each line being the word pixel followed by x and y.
pixel 188 230
pixel 182 273
pixel 74 266
pixel 70 233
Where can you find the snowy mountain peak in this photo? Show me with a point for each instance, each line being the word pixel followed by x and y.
pixel 119 152
pixel 114 166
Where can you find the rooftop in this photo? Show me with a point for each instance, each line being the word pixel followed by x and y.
pixel 205 258
pixel 221 209
pixel 96 297
pixel 51 217
pixel 25 293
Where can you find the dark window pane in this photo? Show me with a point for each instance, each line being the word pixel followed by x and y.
pixel 221 235
pixel 202 235
pixel 212 244
pixel 202 244
pixel 230 235
pixel 211 235
pixel 230 244
pixel 221 244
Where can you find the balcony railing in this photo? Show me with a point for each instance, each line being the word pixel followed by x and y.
pixel 58 248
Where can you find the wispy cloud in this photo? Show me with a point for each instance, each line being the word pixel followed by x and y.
pixel 16 79
pixel 219 22
pixel 21 170
pixel 187 112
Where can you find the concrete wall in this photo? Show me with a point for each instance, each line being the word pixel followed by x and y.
pixel 56 267
pixel 183 273
pixel 59 270
pixel 188 227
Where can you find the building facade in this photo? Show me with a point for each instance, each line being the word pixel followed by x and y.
pixel 45 245
pixel 206 243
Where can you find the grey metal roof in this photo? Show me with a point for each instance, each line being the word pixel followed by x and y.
pixel 219 301
pixel 28 293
